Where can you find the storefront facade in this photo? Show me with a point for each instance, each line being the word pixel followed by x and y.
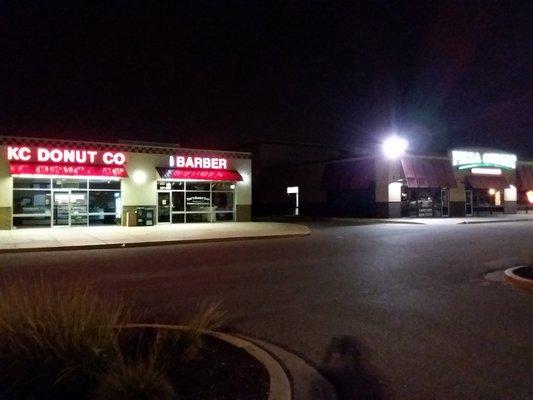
pixel 463 182
pixel 468 182
pixel 50 183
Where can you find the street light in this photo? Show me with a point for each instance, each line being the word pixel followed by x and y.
pixel 394 147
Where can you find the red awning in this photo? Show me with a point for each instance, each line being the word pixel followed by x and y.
pixel 428 173
pixel 525 177
pixel 486 182
pixel 349 175
pixel 200 174
pixel 18 168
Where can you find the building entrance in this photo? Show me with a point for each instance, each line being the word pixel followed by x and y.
pixel 70 208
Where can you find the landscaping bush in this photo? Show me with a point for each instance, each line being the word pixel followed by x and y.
pixel 140 380
pixel 207 316
pixel 63 341
pixel 56 340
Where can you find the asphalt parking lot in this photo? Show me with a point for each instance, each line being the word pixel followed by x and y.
pixel 388 311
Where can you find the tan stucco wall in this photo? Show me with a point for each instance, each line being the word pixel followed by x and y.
pixel 387 171
pixel 6 182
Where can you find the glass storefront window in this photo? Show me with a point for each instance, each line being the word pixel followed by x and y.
pixel 109 185
pixel 103 201
pixel 68 183
pixel 223 201
pixel 31 201
pixel 203 186
pixel 171 185
pixel 198 201
pixel 178 201
pixel 224 217
pixel 178 218
pixel 204 217
pixel 95 220
pixel 69 202
pixel 31 183
pixel 223 186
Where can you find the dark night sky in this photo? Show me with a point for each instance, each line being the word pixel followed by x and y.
pixel 214 74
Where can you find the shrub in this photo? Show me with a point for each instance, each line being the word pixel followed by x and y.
pixel 139 380
pixel 61 341
pixel 55 340
pixel 207 316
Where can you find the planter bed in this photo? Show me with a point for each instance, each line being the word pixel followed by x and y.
pixel 220 371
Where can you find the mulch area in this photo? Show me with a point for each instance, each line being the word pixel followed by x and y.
pixel 220 371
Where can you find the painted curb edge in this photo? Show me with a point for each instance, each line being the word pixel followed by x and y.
pixel 518 281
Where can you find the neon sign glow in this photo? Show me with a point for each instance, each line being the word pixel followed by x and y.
pixel 474 159
pixel 198 162
pixel 64 156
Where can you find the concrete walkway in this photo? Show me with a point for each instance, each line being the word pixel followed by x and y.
pixel 33 239
pixel 465 220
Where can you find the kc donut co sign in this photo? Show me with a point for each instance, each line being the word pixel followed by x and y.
pixel 64 156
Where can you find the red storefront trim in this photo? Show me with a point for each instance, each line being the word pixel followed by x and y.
pixel 199 174
pixel 18 168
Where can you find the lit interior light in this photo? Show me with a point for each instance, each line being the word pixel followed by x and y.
pixel 487 171
pixel 530 196
pixel 492 192
pixel 394 147
pixel 139 176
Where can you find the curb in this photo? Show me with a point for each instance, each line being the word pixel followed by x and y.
pixel 280 385
pixel 307 382
pixel 121 245
pixel 518 281
pixel 493 221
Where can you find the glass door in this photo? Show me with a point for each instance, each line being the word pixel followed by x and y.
pixel 445 203
pixel 61 208
pixel 468 203
pixel 78 208
pixel 163 207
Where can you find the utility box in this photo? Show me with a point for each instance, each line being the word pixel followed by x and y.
pixel 145 216
pixel 131 219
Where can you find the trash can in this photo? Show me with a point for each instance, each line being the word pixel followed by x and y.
pixel 131 219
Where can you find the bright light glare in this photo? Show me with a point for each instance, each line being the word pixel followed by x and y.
pixel 492 192
pixel 530 196
pixel 245 178
pixel 394 147
pixel 139 176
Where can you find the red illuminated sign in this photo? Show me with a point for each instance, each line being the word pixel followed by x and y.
pixel 64 156
pixel 17 168
pixel 198 162
pixel 199 174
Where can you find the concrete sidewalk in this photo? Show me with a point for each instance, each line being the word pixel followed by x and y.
pixel 34 239
pixel 465 220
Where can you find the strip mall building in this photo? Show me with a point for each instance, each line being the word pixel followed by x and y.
pixel 52 183
pixel 321 180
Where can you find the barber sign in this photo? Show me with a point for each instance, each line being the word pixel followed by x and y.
pixel 198 162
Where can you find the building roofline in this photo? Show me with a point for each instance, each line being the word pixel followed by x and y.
pixel 129 146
